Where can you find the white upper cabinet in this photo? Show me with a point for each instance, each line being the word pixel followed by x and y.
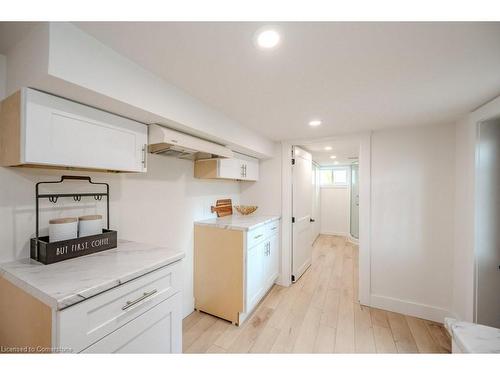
pixel 251 169
pixel 241 167
pixel 56 132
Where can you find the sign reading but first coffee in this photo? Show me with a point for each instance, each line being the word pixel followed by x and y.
pixel 51 252
pixel 81 246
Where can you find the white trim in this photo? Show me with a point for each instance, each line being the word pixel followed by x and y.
pixel 286 215
pixel 352 240
pixel 436 314
pixel 343 234
pixel 365 212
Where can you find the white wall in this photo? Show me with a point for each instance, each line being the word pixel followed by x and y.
pixel 412 220
pixel 335 210
pixel 265 193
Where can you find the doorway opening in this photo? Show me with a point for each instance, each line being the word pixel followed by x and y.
pixel 487 217
pixel 326 191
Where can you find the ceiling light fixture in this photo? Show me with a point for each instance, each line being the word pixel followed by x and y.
pixel 336 162
pixel 267 38
pixel 315 123
pixel 333 157
pixel 328 148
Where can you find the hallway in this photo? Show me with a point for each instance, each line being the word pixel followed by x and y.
pixel 318 314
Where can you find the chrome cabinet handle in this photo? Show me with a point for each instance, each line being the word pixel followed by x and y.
pixel 145 155
pixel 268 248
pixel 136 301
pixel 260 235
pixel 273 228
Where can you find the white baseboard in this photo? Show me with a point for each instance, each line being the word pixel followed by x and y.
pixel 418 310
pixel 353 240
pixel 343 234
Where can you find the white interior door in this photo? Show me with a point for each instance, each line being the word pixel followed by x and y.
pixel 302 195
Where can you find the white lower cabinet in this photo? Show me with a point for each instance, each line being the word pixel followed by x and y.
pixel 254 272
pixel 262 268
pixel 235 268
pixel 140 316
pixel 155 331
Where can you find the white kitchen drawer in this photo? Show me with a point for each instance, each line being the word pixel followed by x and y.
pixel 158 330
pixel 83 324
pixel 256 236
pixel 272 228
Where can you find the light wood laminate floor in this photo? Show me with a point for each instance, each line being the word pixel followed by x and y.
pixel 320 313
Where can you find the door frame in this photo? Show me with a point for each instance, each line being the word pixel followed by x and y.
pixel 364 140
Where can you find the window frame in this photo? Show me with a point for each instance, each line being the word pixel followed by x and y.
pixel 342 185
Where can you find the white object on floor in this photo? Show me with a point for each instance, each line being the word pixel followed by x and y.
pixel 472 338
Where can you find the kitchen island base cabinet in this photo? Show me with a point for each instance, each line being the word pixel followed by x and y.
pixel 234 269
pixel 142 315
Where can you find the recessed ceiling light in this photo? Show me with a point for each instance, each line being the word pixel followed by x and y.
pixel 333 157
pixel 328 148
pixel 336 162
pixel 315 123
pixel 267 38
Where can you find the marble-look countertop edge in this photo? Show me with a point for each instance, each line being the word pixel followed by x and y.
pixel 28 288
pixel 224 225
pixel 70 300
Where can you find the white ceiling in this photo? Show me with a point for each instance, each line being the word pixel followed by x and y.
pixel 354 76
pixel 345 151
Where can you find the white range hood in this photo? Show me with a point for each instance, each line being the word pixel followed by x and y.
pixel 170 142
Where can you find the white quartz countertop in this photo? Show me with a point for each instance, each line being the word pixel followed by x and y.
pixel 238 222
pixel 473 338
pixel 66 283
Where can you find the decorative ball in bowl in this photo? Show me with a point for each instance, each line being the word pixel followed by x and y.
pixel 246 210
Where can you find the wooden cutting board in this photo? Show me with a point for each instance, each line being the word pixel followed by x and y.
pixel 223 207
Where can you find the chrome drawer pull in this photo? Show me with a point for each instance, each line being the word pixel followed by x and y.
pixel 273 228
pixel 135 301
pixel 260 235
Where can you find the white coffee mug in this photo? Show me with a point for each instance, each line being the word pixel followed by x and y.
pixel 62 229
pixel 89 225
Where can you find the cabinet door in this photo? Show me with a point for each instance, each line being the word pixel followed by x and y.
pixel 159 330
pixel 229 168
pixel 274 258
pixel 251 170
pixel 254 275
pixel 60 132
pixel 271 262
